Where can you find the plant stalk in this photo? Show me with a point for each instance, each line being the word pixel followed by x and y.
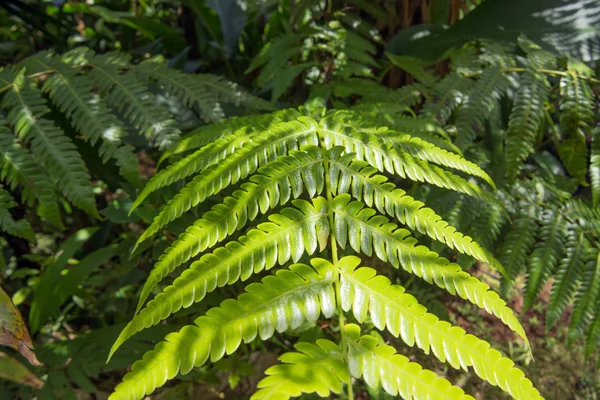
pixel 338 289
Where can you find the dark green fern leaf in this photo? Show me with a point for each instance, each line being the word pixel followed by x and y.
pixel 517 246
pixel 587 296
pixel 49 145
pixel 567 276
pixel 576 105
pixel 17 167
pixel 130 97
pixel 206 92
pixel 525 119
pixel 20 228
pixel 481 100
pixel 546 254
pixel 87 112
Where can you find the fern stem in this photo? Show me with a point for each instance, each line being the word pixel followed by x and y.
pixel 552 72
pixel 338 284
pixel 11 84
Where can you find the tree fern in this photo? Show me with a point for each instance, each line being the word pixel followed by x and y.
pixel 332 159
pixel 96 95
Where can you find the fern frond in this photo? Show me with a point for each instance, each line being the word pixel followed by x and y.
pixel 525 120
pixel 517 245
pixel 359 179
pixel 404 96
pixel 566 277
pixel 444 97
pixel 314 368
pixel 87 112
pixel 205 91
pixel 279 303
pixel 595 167
pixel 50 147
pixel 204 135
pixel 369 234
pixel 576 106
pixel 127 95
pixel 17 167
pixel 420 148
pixel 253 154
pixel 592 339
pixel 481 100
pixel 20 228
pixel 201 159
pixel 287 236
pixel 586 297
pixel 277 182
pixel 378 364
pixel 365 292
pixel 546 255
pixel 385 157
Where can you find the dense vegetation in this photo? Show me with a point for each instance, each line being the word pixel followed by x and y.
pixel 270 199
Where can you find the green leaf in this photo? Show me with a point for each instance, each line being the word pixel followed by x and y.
pixel 288 235
pixel 365 292
pixel 13 332
pixel 13 370
pixel 571 30
pixel 379 365
pixel 314 368
pixel 281 302
pixel 49 295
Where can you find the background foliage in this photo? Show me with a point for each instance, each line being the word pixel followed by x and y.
pixel 509 85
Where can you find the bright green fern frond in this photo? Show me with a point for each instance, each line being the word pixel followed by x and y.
pixel 481 100
pixel 261 149
pixel 360 180
pixel 420 148
pixel 386 158
pixel 201 159
pixel 17 167
pixel 366 293
pixel 546 254
pixel 314 368
pixel 20 228
pixel 279 303
pixel 369 233
pixel 130 97
pixel 287 236
pixel 50 147
pixel 567 276
pixel 586 298
pixel 423 150
pixel 525 119
pixel 209 133
pixel 277 182
pixel 379 365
